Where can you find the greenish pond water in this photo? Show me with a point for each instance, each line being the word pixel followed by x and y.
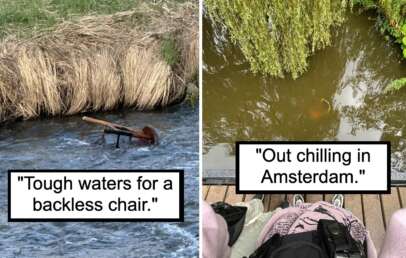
pixel 339 98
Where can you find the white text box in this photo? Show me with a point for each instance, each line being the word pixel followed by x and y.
pixel 96 195
pixel 313 166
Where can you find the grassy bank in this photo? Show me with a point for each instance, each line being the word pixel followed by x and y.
pixel 25 17
pixel 142 57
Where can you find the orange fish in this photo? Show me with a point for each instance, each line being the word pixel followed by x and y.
pixel 319 110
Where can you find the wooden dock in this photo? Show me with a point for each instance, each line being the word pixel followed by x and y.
pixel 374 209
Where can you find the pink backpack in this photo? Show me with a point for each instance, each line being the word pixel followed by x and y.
pixel 305 218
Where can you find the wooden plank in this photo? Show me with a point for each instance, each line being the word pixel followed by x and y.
pixel 232 197
pixel 312 198
pixel 275 202
pixel 267 201
pixel 402 195
pixel 328 197
pixel 205 191
pixel 290 199
pixel 373 218
pixel 248 197
pixel 216 193
pixel 390 203
pixel 353 203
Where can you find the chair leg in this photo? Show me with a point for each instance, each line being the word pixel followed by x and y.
pixel 118 142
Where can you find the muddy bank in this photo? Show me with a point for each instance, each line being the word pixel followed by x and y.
pixel 141 58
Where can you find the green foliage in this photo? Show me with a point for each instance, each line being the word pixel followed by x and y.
pixel 73 7
pixel 25 17
pixel 366 4
pixel 396 85
pixel 392 18
pixel 277 36
pixel 394 12
pixel 169 51
pixel 24 13
pixel 192 94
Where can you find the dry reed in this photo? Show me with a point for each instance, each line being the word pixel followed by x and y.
pixel 99 63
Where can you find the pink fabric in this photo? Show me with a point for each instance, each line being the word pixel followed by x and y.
pixel 394 245
pixel 305 218
pixel 215 234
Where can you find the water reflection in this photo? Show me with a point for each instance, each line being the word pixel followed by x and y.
pixel 339 98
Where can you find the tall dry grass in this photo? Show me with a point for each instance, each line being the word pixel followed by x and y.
pixel 99 63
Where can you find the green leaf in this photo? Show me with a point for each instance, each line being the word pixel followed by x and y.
pixel 277 36
pixel 403 29
pixel 395 85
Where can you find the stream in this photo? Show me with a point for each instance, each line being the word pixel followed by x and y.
pixel 340 97
pixel 70 143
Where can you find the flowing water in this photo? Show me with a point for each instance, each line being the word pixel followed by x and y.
pixel 70 143
pixel 340 97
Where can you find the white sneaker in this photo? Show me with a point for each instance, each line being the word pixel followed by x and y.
pixel 338 200
pixel 298 200
pixel 259 196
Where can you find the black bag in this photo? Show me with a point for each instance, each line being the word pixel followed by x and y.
pixel 338 241
pixel 330 240
pixel 303 245
pixel 234 217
